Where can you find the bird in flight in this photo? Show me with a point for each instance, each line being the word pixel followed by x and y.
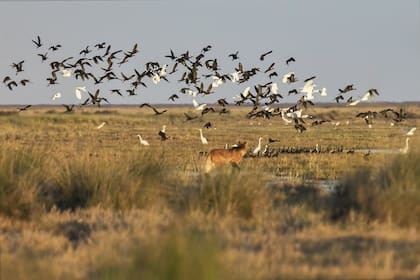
pixel 291 59
pixel 153 108
pixel 265 54
pixel 24 108
pixel 37 43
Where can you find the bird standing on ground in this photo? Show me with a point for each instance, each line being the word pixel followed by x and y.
pixel 142 141
pixel 258 148
pixel 203 139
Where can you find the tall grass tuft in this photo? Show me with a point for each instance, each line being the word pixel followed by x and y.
pixel 236 193
pixel 176 255
pixel 391 193
pixel 20 177
pixel 107 182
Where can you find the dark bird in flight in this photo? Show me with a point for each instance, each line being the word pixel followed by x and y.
pixel 100 45
pixel 18 66
pixel 85 51
pixel 310 78
pixel 171 56
pixel 11 84
pixel 373 91
pixel 264 54
pixel 55 47
pixel 153 108
pixel 234 56
pixel 346 89
pixel 69 108
pixel 43 56
pixel 117 91
pixel 222 102
pixel 293 91
pixel 24 108
pixel 338 98
pixel 23 82
pixel 6 79
pixel 271 67
pixel 37 42
pixel 207 125
pixel 173 97
pixel 300 127
pixel 291 59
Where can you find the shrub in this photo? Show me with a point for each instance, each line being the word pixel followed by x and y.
pixel 390 193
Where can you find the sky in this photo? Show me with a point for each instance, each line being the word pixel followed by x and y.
pixel 371 44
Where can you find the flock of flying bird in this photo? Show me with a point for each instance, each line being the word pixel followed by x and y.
pixel 96 65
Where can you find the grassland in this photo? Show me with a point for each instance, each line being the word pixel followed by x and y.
pixel 81 203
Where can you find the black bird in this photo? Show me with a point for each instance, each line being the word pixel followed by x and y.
pixel 162 134
pixel 37 42
pixel 222 102
pixel 24 108
pixel 69 108
pixel 153 108
pixel 234 55
pixel 207 110
pixel 264 54
pixel 100 45
pixel 85 51
pixel 338 98
pixel 11 84
pixel 291 59
pixel 173 97
pixel 6 79
pixel 171 56
pixel 206 49
pixel 272 74
pixel 117 91
pixel 18 66
pixel 55 47
pixel 346 89
pixel 223 111
pixel 308 79
pixel 271 67
pixel 23 82
pixel 373 91
pixel 43 56
pixel 293 91
pixel 207 125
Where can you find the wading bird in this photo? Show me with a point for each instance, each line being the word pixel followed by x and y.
pixel 142 141
pixel 202 138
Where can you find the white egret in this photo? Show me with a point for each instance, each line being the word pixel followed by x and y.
pixel 287 78
pixel 66 73
pixel 101 125
pixel 78 92
pixel 258 148
pixel 411 131
pixel 203 139
pixel 56 96
pixel 142 141
pixel 198 107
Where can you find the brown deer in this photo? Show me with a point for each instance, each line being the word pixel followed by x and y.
pixel 220 157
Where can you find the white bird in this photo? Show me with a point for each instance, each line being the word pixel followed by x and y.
pixel 142 141
pixel 308 87
pixel 286 77
pixel 235 76
pixel 56 96
pixel 191 92
pixel 274 88
pixel 101 125
pixel 156 78
pixel 258 148
pixel 198 107
pixel 284 115
pixel 405 149
pixel 162 71
pixel 66 73
pixel 411 131
pixel 354 103
pixel 78 92
pixel 216 82
pixel 203 139
pixel 323 92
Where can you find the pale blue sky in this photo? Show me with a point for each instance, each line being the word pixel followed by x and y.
pixel 371 44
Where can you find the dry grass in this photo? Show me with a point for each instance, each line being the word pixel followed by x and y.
pixel 77 202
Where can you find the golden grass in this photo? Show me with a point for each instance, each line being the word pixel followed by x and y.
pixel 82 203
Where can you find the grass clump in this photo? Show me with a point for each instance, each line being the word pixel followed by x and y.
pixel 176 255
pixel 390 193
pixel 20 177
